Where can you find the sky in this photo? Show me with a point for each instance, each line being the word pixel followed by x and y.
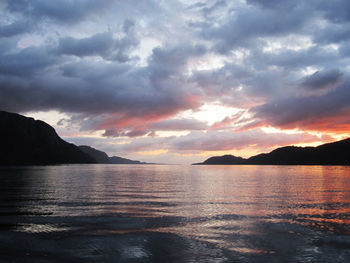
pixel 178 81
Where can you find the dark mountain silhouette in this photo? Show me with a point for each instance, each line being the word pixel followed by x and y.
pixel 120 160
pixel 102 157
pixel 98 156
pixel 225 159
pixel 335 153
pixel 25 141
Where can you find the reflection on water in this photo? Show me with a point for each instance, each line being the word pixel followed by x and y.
pixel 153 213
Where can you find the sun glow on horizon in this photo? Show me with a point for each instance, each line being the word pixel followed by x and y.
pixel 152 152
pixel 210 113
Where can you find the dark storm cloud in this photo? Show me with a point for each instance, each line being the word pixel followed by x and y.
pixel 101 44
pixel 247 26
pixel 78 95
pixel 336 11
pixel 123 96
pixel 93 71
pixel 240 86
pixel 63 11
pixel 25 62
pixel 168 61
pixel 210 9
pixel 8 45
pixel 128 67
pixel 344 50
pixel 329 112
pixel 15 28
pixel 274 4
pixel 295 59
pixel 244 27
pixel 322 80
pixel 332 33
pixel 219 82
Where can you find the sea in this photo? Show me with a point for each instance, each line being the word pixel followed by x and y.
pixel 174 213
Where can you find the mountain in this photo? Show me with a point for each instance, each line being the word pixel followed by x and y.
pixel 120 160
pixel 225 159
pixel 98 156
pixel 25 141
pixel 335 153
pixel 102 157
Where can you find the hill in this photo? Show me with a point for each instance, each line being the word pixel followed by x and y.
pixel 102 157
pixel 25 141
pixel 335 153
pixel 97 155
pixel 120 160
pixel 225 159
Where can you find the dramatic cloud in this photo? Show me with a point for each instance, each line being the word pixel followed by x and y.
pixel 26 62
pixel 15 28
pixel 101 44
pixel 245 26
pixel 198 144
pixel 225 141
pixel 329 112
pixel 179 125
pixel 322 80
pixel 145 71
pixel 63 11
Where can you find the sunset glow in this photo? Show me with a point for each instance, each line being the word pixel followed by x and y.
pixel 179 81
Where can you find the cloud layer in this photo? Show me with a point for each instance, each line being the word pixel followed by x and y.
pixel 144 69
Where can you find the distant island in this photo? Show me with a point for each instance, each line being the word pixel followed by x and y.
pixel 26 141
pixel 335 153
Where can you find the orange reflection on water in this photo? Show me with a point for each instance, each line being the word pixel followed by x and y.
pixel 225 205
pixel 213 202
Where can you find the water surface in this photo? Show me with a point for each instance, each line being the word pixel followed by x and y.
pixel 160 213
